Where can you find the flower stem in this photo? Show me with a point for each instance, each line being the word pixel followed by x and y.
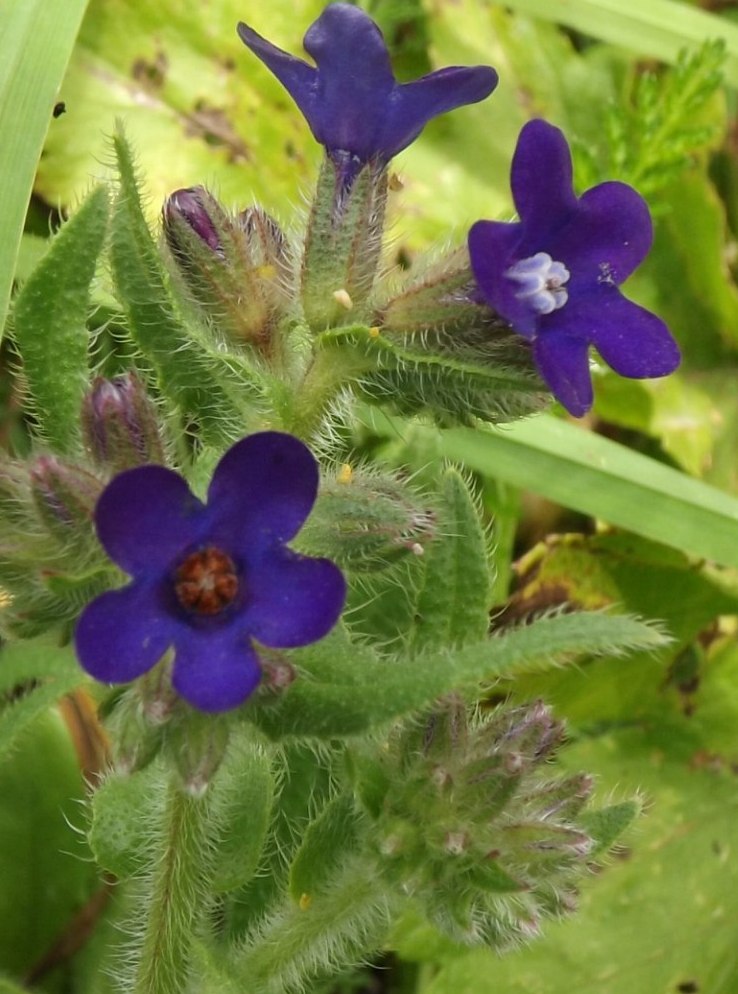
pixel 175 899
pixel 330 371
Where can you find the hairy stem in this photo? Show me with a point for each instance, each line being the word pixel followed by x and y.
pixel 175 899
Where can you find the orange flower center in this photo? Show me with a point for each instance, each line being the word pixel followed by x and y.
pixel 206 581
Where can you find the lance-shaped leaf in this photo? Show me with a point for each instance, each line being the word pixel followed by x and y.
pixel 345 689
pixel 49 324
pixel 33 676
pixel 203 387
pixel 453 606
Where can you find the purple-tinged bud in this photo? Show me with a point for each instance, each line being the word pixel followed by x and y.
pixel 195 207
pixel 65 496
pixel 278 673
pixel 235 269
pixel 120 425
pixel 475 825
pixel 266 241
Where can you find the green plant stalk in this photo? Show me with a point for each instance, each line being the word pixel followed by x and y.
pixel 175 898
pixel 330 369
pixel 338 927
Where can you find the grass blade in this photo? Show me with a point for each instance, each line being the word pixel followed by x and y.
pixel 35 45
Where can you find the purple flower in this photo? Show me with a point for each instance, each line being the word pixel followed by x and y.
pixel 554 274
pixel 351 101
pixel 210 580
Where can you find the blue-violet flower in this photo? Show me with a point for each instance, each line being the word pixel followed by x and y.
pixel 210 580
pixel 351 100
pixel 554 274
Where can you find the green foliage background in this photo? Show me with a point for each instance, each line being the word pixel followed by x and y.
pixel 645 96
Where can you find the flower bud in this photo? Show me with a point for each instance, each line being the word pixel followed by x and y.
pixel 267 244
pixel 445 351
pixel 441 298
pixel 195 207
pixel 65 496
pixel 474 824
pixel 366 520
pixel 120 424
pixel 235 269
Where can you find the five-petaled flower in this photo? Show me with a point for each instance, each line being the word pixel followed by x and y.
pixel 209 580
pixel 351 100
pixel 554 274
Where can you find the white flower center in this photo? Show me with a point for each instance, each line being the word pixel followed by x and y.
pixel 541 282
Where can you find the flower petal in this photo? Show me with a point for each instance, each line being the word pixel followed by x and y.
pixel 563 362
pixel 607 237
pixel 351 101
pixel 492 251
pixel 215 669
pixel 123 633
pixel 145 517
pixel 632 340
pixel 295 600
pixel 355 79
pixel 296 76
pixel 541 181
pixel 261 492
pixel 416 103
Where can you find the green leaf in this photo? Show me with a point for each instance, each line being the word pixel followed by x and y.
pixel 198 106
pixel 375 691
pixel 659 28
pixel 328 839
pixel 190 374
pixel 589 473
pixel 35 46
pixel 453 606
pixel 49 324
pixel 19 715
pixel 123 810
pixel 640 577
pixel 37 675
pixel 9 987
pixel 243 794
pixel 32 660
pixel 608 824
pixel 621 941
pixel 47 875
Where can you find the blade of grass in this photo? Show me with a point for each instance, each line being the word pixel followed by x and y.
pixel 657 28
pixel 35 45
pixel 586 472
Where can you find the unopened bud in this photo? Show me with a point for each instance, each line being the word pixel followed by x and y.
pixel 135 740
pixel 120 424
pixel 268 247
pixel 366 520
pixel 194 207
pixel 65 496
pixel 440 298
pixel 236 269
pixel 278 673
